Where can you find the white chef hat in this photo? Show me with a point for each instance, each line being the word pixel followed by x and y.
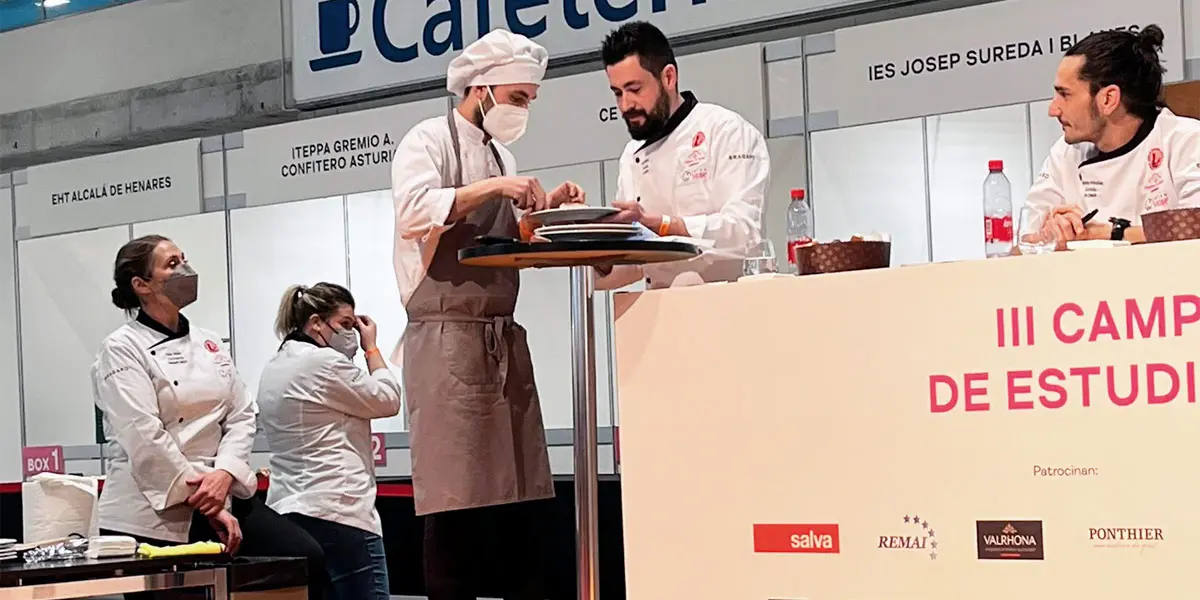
pixel 498 58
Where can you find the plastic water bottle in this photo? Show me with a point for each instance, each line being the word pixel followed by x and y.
pixel 997 212
pixel 799 225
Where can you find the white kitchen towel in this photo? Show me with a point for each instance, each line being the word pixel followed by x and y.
pixel 111 546
pixel 56 506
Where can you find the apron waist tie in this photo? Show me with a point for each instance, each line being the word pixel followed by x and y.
pixel 493 334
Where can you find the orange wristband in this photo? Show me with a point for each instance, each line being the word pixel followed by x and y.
pixel 665 226
pixel 371 351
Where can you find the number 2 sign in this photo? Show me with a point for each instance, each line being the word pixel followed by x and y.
pixel 42 459
pixel 378 449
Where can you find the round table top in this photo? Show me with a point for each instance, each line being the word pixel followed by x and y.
pixel 523 255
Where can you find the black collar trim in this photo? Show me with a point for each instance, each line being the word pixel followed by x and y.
pixel 184 328
pixel 685 109
pixel 1143 132
pixel 299 336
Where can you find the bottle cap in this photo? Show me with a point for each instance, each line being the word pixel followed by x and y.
pixel 995 165
pixel 797 194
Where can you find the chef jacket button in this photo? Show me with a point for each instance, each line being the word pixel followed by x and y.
pixel 176 383
pixel 637 160
pixel 152 353
pixel 180 419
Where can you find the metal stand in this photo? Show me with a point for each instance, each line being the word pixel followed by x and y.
pixel 583 354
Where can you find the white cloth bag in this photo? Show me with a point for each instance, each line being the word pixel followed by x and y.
pixel 56 506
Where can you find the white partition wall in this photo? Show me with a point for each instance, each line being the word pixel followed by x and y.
pixel 203 242
pixel 11 422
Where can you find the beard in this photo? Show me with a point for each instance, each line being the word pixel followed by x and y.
pixel 653 121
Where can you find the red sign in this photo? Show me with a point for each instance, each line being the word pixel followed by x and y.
pixel 797 539
pixel 42 459
pixel 379 449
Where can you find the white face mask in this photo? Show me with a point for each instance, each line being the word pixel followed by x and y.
pixel 505 122
pixel 344 341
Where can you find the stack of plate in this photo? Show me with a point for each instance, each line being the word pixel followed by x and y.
pixel 8 550
pixel 582 223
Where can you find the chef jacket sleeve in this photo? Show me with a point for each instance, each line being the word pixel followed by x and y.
pixel 741 176
pixel 1185 166
pixel 353 391
pixel 422 205
pixel 237 441
pixel 129 401
pixel 1047 190
pixel 621 275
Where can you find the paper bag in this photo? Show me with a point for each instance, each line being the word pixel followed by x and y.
pixel 56 506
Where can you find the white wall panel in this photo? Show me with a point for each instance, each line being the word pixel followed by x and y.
pixel 138 44
pixel 959 148
pixel 575 120
pixel 10 390
pixel 788 170
pixel 202 240
pixel 66 310
pixel 371 224
pixel 785 88
pixel 872 178
pixel 544 309
pixel 1191 28
pixel 274 247
pixel 212 173
pixel 1045 131
pixel 822 68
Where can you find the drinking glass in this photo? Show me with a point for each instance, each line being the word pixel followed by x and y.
pixel 1034 236
pixel 760 259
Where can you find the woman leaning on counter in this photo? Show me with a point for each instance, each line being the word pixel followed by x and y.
pixel 179 423
pixel 317 408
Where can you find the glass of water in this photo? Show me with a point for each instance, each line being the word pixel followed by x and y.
pixel 1034 233
pixel 760 259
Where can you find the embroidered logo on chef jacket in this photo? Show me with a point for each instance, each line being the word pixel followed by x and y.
pixel 175 357
pixel 694 159
pixel 698 139
pixel 211 346
pixel 1156 158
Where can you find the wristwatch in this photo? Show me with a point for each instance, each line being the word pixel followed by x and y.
pixel 1119 226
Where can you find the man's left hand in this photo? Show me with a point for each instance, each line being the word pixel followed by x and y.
pixel 567 193
pixel 631 212
pixel 211 492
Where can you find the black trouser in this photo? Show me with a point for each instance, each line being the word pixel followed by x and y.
pixel 461 545
pixel 264 534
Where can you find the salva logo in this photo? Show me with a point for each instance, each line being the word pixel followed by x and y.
pixel 797 539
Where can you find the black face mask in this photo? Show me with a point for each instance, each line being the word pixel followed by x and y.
pixel 655 120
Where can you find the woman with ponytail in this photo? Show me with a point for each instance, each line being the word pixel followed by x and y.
pixel 1123 153
pixel 317 407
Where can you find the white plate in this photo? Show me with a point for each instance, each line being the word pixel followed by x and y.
pixel 586 235
pixel 573 214
pixel 584 227
pixel 1095 244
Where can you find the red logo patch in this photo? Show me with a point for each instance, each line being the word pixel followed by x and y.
pixel 212 346
pixel 1156 158
pixel 698 139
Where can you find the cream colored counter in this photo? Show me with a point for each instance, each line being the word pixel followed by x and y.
pixel 821 410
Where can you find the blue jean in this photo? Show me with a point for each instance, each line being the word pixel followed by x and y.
pixel 354 559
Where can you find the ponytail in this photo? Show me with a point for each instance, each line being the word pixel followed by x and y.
pixel 1150 40
pixel 300 303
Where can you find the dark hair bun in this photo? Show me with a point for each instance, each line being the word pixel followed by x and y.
pixel 124 300
pixel 1150 39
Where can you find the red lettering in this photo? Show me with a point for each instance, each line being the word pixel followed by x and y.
pixel 1000 327
pixel 1112 387
pixel 1191 381
pixel 1085 374
pixel 1103 324
pixel 1015 388
pixel 1029 325
pixel 1047 385
pixel 1181 318
pixel 970 391
pixel 935 406
pixel 1059 332
pixel 1153 397
pixel 1136 326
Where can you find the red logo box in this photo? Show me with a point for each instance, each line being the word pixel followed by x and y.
pixel 797 539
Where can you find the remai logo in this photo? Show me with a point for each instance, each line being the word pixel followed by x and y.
pixel 442 32
pixel 916 536
pixel 1010 540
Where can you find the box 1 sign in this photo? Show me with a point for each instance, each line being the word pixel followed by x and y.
pixel 42 459
pixel 378 449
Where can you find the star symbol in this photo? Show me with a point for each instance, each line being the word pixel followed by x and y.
pixel 925 525
pixel 930 533
pixel 933 556
pixel 916 519
pixel 933 544
pixel 906 519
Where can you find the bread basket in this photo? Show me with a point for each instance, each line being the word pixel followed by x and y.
pixel 1172 225
pixel 837 257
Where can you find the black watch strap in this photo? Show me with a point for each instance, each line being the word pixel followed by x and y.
pixel 1119 226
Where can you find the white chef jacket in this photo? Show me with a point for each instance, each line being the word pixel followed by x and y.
pixel 709 167
pixel 423 171
pixel 174 407
pixel 1158 169
pixel 316 410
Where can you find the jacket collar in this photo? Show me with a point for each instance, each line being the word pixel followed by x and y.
pixel 299 336
pixel 673 123
pixel 148 321
pixel 1143 132
pixel 467 131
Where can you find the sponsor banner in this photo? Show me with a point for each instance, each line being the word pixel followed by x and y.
pixel 988 55
pixel 990 429
pixel 344 47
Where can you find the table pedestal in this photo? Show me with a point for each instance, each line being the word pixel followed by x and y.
pixel 583 371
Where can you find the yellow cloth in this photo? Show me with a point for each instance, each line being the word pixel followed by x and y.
pixel 183 550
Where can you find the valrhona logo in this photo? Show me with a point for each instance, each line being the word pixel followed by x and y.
pixel 1010 540
pixel 916 536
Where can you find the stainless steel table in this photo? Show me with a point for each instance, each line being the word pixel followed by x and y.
pixel 89 578
pixel 580 257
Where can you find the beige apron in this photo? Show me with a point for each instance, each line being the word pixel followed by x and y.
pixel 477 433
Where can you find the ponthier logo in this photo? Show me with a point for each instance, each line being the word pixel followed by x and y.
pixel 1010 540
pixel 918 537
pixel 1125 537
pixel 797 539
